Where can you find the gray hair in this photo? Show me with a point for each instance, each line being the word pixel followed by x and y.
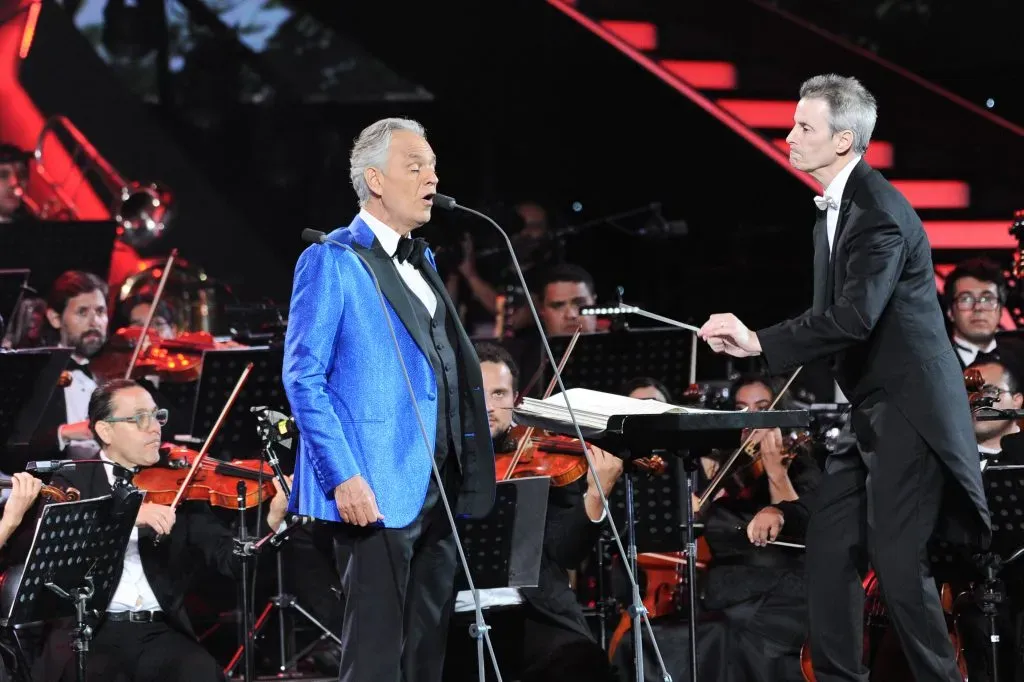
pixel 850 106
pixel 371 151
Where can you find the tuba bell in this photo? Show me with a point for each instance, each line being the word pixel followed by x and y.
pixel 140 210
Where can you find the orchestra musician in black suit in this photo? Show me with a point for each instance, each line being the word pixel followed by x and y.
pixel 144 633
pixel 539 633
pixel 876 314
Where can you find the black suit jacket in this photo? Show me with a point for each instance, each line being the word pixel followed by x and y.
pixel 876 314
pixel 569 535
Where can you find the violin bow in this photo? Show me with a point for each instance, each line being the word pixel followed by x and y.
pixel 152 313
pixel 723 470
pixel 525 440
pixel 213 434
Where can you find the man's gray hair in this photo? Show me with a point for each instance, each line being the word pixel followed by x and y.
pixel 850 106
pixel 371 151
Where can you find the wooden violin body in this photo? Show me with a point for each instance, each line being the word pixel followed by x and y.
pixel 172 360
pixel 216 481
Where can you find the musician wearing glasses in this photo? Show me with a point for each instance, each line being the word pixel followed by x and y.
pixel 999 444
pixel 144 633
pixel 13 180
pixel 975 298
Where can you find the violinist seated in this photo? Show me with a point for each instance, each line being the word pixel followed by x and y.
pixel 1000 443
pixel 758 587
pixel 135 310
pixel 753 591
pixel 22 495
pixel 539 633
pixel 77 312
pixel 145 634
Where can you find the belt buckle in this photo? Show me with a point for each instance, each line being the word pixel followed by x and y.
pixel 140 617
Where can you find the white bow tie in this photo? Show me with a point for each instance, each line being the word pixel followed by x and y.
pixel 825 202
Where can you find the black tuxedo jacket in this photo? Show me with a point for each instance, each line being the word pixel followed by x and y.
pixel 569 535
pixel 876 314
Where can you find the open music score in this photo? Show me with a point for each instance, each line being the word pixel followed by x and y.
pixel 594 409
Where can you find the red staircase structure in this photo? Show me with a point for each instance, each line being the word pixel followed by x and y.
pixel 742 61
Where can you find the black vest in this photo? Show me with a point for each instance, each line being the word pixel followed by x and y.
pixel 442 356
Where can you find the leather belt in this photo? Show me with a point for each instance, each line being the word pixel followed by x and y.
pixel 135 616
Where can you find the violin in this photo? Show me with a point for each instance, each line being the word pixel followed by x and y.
pixel 50 492
pixel 177 360
pixel 215 481
pixel 975 384
pixel 556 456
pixel 740 479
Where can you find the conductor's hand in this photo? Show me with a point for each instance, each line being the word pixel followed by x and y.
pixel 356 502
pixel 156 516
pixel 24 490
pixel 726 334
pixel 765 526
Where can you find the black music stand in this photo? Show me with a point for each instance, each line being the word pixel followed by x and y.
pixel 606 361
pixel 504 548
pixel 28 379
pixel 13 285
pixel 72 567
pixel 49 248
pixel 685 434
pixel 238 437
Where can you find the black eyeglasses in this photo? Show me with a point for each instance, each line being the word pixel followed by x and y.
pixel 967 301
pixel 993 391
pixel 143 420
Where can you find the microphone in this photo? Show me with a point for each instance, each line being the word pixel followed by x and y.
pixel 314 236
pixel 48 466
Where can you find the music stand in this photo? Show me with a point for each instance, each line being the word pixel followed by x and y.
pixel 238 437
pixel 504 548
pixel 49 248
pixel 76 556
pixel 28 379
pixel 13 284
pixel 606 361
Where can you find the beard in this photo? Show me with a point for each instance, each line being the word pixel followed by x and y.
pixel 89 343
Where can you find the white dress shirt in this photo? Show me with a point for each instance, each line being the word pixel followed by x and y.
pixel 835 191
pixel 412 277
pixel 968 351
pixel 76 403
pixel 133 593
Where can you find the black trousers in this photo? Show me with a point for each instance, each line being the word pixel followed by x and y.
pixel 398 586
pixel 880 507
pixel 146 652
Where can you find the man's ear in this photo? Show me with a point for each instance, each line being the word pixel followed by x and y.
pixel 53 317
pixel 845 141
pixel 372 177
pixel 1018 400
pixel 104 430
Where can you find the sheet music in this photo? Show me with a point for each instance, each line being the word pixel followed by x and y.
pixel 594 408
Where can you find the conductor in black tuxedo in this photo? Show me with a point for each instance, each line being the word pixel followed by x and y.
pixel 144 633
pixel 538 633
pixel 876 314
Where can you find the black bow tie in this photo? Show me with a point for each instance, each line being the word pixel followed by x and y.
pixel 411 250
pixel 981 356
pixel 81 366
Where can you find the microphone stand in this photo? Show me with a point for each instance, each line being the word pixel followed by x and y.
pixel 448 203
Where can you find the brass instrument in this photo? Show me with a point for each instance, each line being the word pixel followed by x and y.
pixel 141 211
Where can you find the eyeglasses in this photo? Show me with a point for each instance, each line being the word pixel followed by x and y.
pixel 143 420
pixel 967 301
pixel 993 391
